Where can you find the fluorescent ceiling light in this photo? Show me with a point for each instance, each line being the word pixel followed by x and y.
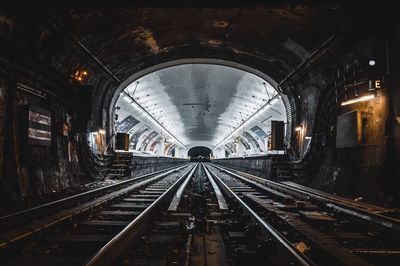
pixel 274 100
pixel 254 115
pixel 359 99
pixel 151 118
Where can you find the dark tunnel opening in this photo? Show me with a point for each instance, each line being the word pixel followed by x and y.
pixel 200 154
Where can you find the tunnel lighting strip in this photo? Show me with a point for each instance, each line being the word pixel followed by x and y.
pixel 152 118
pixel 266 106
pixel 359 99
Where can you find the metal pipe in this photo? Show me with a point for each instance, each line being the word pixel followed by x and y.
pixel 306 60
pixel 80 48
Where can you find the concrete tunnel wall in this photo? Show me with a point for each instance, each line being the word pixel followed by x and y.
pixel 44 61
pixel 141 165
pixel 260 166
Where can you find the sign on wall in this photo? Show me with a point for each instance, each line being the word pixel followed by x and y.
pixel 135 137
pixel 39 126
pixel 259 132
pixel 125 125
pixel 154 144
pixel 252 140
pixel 147 140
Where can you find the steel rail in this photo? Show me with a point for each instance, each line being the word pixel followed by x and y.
pixel 25 231
pixel 178 195
pixel 299 257
pixel 221 200
pixel 261 186
pixel 365 205
pixel 118 244
pixel 340 205
pixel 21 217
pixel 247 177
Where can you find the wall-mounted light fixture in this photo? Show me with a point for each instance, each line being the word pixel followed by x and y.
pixel 80 74
pixel 358 99
pixel 299 128
pixel 101 131
pixel 371 62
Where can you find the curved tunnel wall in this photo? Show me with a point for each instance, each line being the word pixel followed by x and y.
pixel 247 141
pixel 45 59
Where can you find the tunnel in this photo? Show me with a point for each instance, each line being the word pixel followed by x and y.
pixel 200 153
pixel 191 105
pixel 193 133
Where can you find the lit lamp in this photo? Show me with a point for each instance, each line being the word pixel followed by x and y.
pixel 80 74
pixel 101 131
pixel 359 99
pixel 299 128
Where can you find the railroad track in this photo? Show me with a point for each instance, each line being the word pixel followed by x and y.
pixel 305 226
pixel 385 218
pixel 203 214
pixel 186 231
pixel 70 231
pixel 220 229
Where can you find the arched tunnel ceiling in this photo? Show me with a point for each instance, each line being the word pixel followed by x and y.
pixel 121 37
pixel 118 40
pixel 201 103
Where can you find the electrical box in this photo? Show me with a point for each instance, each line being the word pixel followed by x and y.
pixel 122 141
pixel 348 130
pixel 277 135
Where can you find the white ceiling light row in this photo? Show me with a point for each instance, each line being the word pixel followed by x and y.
pixel 255 115
pixel 143 111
